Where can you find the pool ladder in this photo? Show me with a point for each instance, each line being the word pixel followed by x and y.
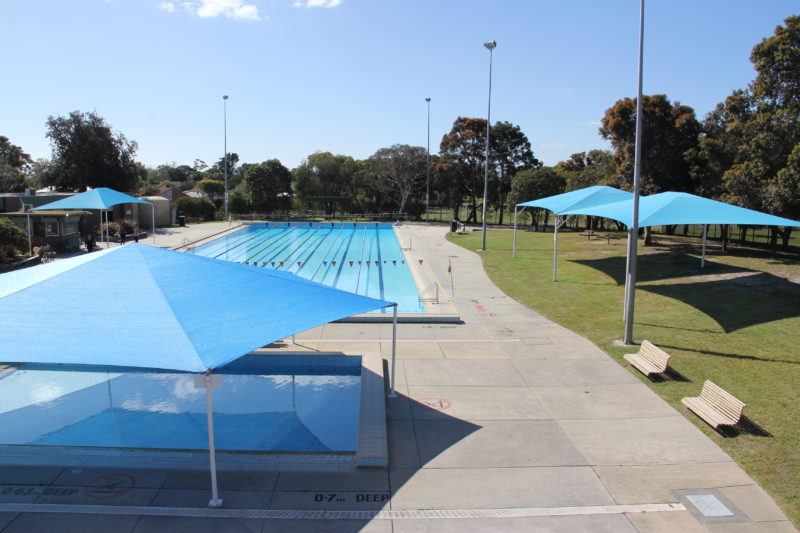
pixel 430 294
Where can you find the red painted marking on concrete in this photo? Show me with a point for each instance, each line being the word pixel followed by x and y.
pixel 109 486
pixel 480 308
pixel 439 404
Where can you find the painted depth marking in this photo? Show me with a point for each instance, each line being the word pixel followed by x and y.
pixel 519 512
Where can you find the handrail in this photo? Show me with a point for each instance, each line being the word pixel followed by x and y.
pixel 435 298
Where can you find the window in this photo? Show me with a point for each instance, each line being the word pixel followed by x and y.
pixel 70 227
pixel 51 229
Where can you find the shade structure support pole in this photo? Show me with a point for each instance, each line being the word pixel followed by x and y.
pixel 703 256
pixel 514 252
pixel 153 212
pixel 630 279
pixel 557 224
pixel 215 501
pixel 392 391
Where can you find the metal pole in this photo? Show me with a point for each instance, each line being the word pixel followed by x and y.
pixel 490 46
pixel 225 159
pixel 637 168
pixel 555 248
pixel 392 391
pixel 703 257
pixel 153 213
pixel 215 501
pixel 514 251
pixel 428 168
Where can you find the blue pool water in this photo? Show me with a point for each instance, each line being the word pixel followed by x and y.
pixel 265 403
pixel 362 258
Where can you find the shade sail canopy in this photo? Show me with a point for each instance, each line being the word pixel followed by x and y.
pixel 141 306
pixel 670 208
pixel 582 198
pixel 100 198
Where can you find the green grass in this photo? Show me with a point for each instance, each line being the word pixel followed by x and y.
pixel 736 322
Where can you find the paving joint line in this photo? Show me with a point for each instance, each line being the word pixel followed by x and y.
pixel 513 512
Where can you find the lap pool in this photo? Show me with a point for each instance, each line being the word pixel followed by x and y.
pixel 265 403
pixel 365 259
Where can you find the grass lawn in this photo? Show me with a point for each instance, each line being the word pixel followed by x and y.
pixel 736 322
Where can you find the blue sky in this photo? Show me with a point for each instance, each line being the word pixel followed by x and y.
pixel 351 76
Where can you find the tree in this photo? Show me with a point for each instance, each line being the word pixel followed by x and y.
pixel 212 188
pixel 533 184
pixel 668 132
pixel 269 186
pixel 464 149
pixel 12 239
pixel 87 153
pixel 14 165
pixel 326 178
pixel 398 173
pixel 13 156
pixel 585 169
pixel 511 152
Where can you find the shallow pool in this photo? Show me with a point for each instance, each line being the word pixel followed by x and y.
pixel 265 403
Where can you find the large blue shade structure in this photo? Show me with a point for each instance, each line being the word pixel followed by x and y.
pixel 154 308
pixel 669 208
pixel 101 199
pixel 147 307
pixel 560 203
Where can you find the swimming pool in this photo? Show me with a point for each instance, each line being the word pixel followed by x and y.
pixel 266 403
pixel 364 259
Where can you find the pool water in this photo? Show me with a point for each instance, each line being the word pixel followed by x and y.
pixel 265 403
pixel 365 259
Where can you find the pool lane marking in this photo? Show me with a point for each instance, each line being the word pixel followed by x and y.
pixel 321 514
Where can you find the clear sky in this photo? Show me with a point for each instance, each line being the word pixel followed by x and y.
pixel 351 76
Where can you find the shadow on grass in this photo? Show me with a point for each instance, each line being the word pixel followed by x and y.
pixel 670 375
pixel 658 267
pixel 745 427
pixel 745 298
pixel 735 355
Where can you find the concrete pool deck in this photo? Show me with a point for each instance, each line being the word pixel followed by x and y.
pixel 507 422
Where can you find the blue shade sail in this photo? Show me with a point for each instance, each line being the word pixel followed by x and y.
pixel 670 208
pixel 147 307
pixel 582 198
pixel 100 198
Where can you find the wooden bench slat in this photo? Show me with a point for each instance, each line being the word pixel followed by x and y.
pixel 716 406
pixel 649 359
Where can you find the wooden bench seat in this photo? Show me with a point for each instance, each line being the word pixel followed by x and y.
pixel 716 406
pixel 649 359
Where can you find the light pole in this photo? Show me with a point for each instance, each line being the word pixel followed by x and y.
pixel 490 45
pixel 428 168
pixel 225 159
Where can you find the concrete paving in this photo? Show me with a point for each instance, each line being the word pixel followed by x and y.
pixel 507 422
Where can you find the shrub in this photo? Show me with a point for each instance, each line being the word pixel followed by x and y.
pixel 13 239
pixel 195 207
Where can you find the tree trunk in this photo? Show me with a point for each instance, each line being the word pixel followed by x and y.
pixel 723 228
pixel 785 234
pixel 648 236
pixel 773 239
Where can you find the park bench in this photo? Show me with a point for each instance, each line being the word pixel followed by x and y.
pixel 716 406
pixel 649 359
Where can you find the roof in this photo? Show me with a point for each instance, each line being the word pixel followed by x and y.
pixel 147 307
pixel 100 198
pixel 589 196
pixel 671 208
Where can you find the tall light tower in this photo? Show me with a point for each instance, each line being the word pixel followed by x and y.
pixel 225 159
pixel 428 168
pixel 490 45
